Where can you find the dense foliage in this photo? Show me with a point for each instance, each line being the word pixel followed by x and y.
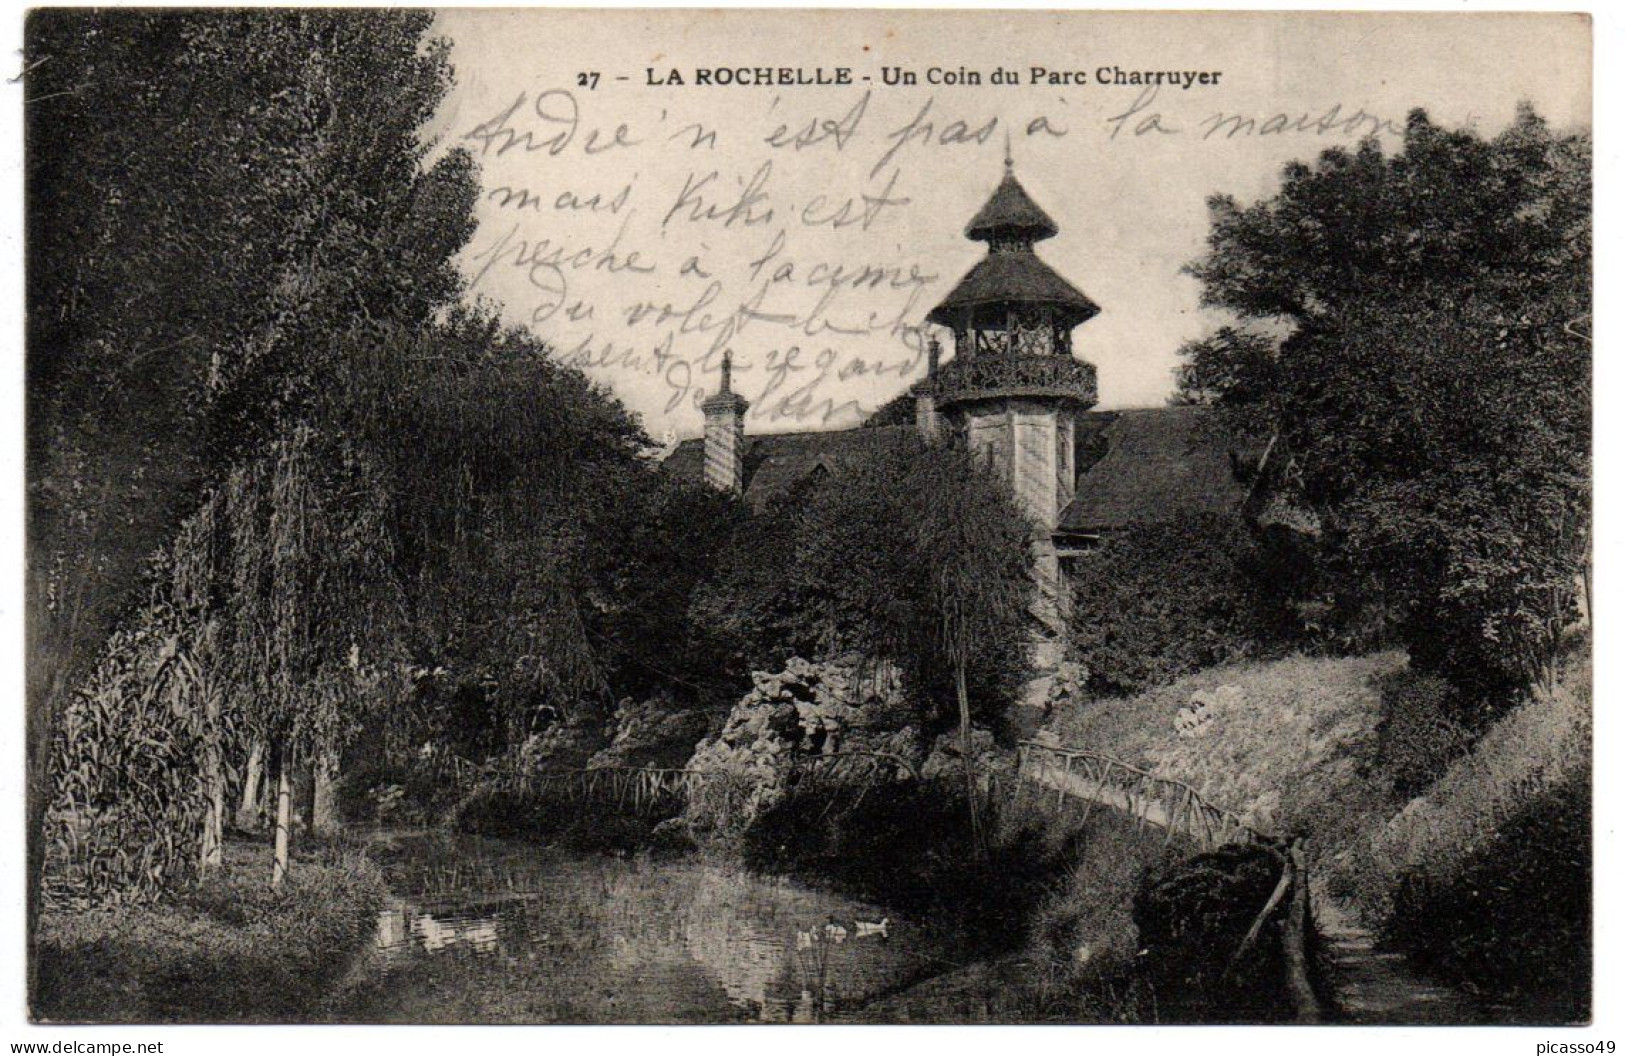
pixel 1155 602
pixel 219 205
pixel 915 556
pixel 1417 735
pixel 1413 335
pixel 1514 920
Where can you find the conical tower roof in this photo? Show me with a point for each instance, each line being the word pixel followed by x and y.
pixel 1013 278
pixel 1011 273
pixel 1011 213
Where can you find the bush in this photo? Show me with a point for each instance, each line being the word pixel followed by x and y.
pixel 1192 919
pixel 1514 920
pixel 1417 736
pixel 1158 601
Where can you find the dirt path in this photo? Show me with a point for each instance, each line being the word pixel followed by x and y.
pixel 1370 986
pixel 1373 986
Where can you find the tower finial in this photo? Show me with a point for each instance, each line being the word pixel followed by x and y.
pixel 1009 162
pixel 727 372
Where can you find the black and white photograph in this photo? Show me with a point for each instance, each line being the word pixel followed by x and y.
pixel 804 516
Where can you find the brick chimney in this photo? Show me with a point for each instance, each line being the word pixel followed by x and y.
pixel 725 433
pixel 925 397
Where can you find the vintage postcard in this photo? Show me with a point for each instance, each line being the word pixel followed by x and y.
pixel 737 516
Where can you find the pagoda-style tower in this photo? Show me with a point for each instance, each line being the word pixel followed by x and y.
pixel 1012 392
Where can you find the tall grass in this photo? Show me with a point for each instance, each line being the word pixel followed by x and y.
pixel 1541 746
pixel 227 950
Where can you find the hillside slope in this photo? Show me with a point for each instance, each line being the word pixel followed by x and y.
pixel 1288 744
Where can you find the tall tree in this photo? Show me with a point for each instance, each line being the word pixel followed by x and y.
pixel 917 555
pixel 1413 332
pixel 499 464
pixel 214 199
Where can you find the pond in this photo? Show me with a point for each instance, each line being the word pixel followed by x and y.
pixel 491 931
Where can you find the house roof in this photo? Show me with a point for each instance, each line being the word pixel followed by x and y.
pixel 1010 278
pixel 1152 465
pixel 776 462
pixel 1011 212
pixel 1135 466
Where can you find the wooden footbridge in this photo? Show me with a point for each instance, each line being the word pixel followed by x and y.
pixel 1071 773
pixel 1097 779
pixel 1094 778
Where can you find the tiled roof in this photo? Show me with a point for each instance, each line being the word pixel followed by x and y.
pixel 776 462
pixel 1135 466
pixel 1011 212
pixel 1151 465
pixel 1017 277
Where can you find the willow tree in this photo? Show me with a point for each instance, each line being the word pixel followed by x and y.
pixel 308 602
pixel 212 197
pixel 496 461
pixel 971 548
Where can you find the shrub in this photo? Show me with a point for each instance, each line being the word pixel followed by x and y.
pixel 1157 601
pixel 1514 920
pixel 1192 919
pixel 1417 736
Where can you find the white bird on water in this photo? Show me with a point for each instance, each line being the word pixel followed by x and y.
pixel 868 929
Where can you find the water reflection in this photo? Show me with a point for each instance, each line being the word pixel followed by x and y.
pixel 486 931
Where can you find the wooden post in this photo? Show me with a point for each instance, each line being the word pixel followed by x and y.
pixel 1304 1003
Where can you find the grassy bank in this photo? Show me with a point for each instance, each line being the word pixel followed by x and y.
pixel 1291 744
pixel 1485 877
pixel 225 951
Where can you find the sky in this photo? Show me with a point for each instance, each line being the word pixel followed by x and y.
pixel 644 226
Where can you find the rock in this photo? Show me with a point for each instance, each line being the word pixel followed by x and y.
pixel 1193 719
pixel 946 755
pixel 655 732
pixel 807 711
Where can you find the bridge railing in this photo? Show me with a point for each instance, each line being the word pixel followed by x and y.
pixel 1162 801
pixel 648 789
pixel 1177 807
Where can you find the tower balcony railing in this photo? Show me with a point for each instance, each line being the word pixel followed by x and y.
pixel 988 377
